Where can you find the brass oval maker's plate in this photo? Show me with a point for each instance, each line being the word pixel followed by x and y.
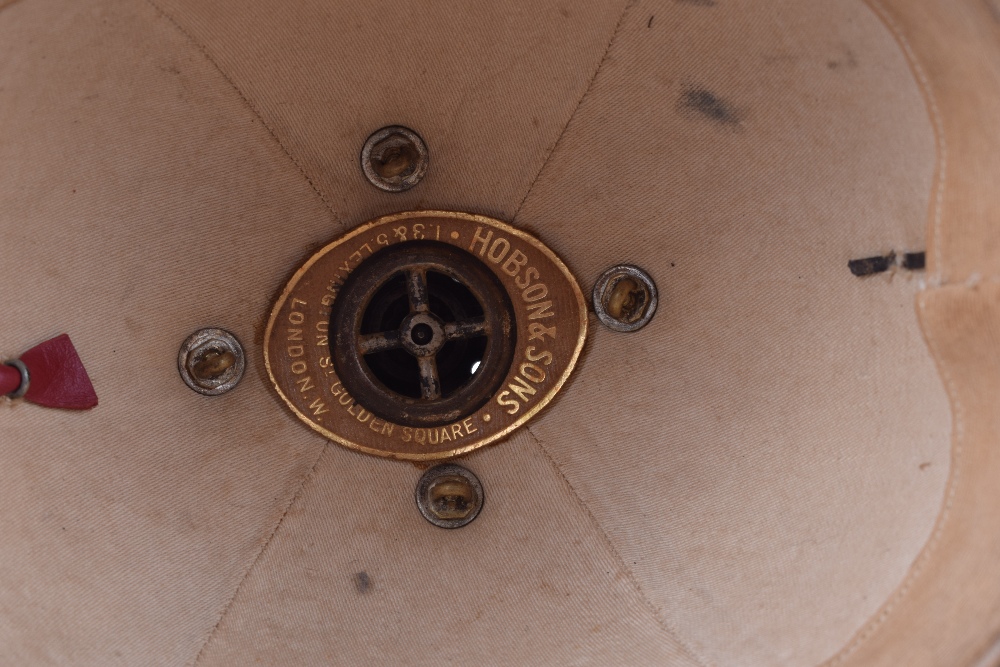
pixel 549 328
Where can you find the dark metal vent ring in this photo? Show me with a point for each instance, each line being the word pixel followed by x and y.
pixel 423 333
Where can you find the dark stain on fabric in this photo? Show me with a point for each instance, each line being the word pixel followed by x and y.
pixel 914 261
pixel 649 23
pixel 709 105
pixel 697 3
pixel 362 582
pixel 866 266
pixel 847 61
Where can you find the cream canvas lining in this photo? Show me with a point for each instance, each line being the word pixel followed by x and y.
pixel 140 527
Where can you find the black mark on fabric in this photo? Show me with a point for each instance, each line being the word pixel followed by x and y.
pixel 362 582
pixel 697 3
pixel 649 24
pixel 914 261
pixel 848 61
pixel 911 261
pixel 869 265
pixel 710 105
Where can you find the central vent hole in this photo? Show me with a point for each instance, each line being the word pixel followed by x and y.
pixel 450 301
pixel 422 334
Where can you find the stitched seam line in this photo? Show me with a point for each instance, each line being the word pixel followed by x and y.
pixel 253 109
pixel 958 437
pixel 936 280
pixel 939 137
pixel 666 627
pixel 257 557
pixel 590 85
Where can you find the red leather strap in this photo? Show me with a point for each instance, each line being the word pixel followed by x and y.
pixel 57 376
pixel 10 379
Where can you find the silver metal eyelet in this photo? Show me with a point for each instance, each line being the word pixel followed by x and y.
pixel 394 158
pixel 624 298
pixel 25 378
pixel 449 496
pixel 211 361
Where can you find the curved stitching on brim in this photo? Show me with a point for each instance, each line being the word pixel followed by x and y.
pixel 935 280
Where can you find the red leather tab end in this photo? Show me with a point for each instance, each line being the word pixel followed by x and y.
pixel 10 379
pixel 58 378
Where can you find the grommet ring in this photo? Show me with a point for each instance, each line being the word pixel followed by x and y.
pixel 370 309
pixel 22 389
pixel 624 298
pixel 394 158
pixel 211 361
pixel 409 323
pixel 449 496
